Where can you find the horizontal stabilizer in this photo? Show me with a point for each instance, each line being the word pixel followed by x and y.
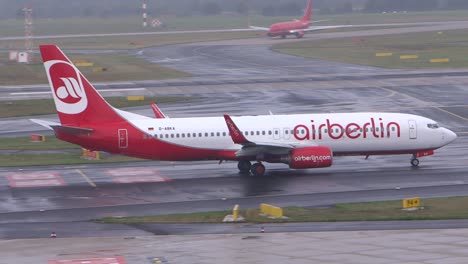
pixel 44 123
pixel 72 130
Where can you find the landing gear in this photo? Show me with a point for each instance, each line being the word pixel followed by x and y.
pixel 257 169
pixel 244 166
pixel 299 35
pixel 414 161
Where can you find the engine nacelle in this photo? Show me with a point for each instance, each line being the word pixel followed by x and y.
pixel 310 157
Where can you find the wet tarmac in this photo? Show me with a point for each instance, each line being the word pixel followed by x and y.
pixel 35 199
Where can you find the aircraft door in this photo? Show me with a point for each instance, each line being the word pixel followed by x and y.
pixel 123 138
pixel 413 132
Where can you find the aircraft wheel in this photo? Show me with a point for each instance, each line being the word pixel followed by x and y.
pixel 257 169
pixel 244 166
pixel 414 162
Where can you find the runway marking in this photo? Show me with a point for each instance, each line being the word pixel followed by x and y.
pixel 448 112
pixel 392 92
pixel 35 179
pixel 130 175
pixel 86 178
pixel 108 260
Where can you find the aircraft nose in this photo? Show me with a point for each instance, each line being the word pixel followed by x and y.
pixel 449 135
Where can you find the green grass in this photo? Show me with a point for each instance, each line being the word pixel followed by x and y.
pixel 25 143
pixel 57 159
pixel 427 45
pixel 47 106
pixel 434 209
pixel 120 67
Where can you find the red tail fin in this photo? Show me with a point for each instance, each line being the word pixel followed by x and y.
pixel 77 101
pixel 308 12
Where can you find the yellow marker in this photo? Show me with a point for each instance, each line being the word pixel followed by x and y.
pixel 411 202
pixel 440 60
pixel 235 212
pixel 84 64
pixel 383 54
pixel 271 210
pixel 408 57
pixel 135 98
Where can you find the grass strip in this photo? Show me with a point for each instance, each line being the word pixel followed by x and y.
pixel 451 44
pixel 25 143
pixel 46 106
pixel 434 209
pixel 119 67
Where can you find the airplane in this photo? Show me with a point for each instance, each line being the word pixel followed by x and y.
pixel 300 141
pixel 296 27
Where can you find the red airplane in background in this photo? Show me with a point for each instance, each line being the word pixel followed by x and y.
pixel 296 27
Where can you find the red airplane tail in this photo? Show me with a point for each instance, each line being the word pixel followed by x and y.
pixel 77 101
pixel 308 12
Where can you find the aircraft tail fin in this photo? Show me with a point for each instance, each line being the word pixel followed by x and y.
pixel 77 101
pixel 308 12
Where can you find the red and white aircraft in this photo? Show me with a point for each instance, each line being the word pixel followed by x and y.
pixel 296 27
pixel 300 141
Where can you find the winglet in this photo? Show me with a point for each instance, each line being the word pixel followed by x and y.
pixel 234 131
pixel 157 112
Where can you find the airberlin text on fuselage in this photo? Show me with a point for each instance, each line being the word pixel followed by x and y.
pixel 375 128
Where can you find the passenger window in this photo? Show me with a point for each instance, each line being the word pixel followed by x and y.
pixel 172 135
pixel 276 132
pixel 200 135
pixel 212 134
pixel 263 132
pixel 269 132
pixel 325 130
pixel 177 135
pixel 206 134
pixel 218 134
pixel 258 133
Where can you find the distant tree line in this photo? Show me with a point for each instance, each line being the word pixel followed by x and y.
pixel 107 8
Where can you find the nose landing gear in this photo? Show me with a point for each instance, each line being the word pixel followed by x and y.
pixel 414 161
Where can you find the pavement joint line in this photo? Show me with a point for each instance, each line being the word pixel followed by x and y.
pixel 86 178
pixel 448 112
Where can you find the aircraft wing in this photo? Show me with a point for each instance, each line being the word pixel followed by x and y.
pixel 251 148
pixel 259 28
pixel 316 28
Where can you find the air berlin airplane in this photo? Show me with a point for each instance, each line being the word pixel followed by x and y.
pixel 296 27
pixel 300 141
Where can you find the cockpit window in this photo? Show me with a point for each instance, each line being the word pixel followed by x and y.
pixel 433 126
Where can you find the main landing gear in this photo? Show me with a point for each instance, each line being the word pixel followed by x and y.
pixel 256 169
pixel 414 161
